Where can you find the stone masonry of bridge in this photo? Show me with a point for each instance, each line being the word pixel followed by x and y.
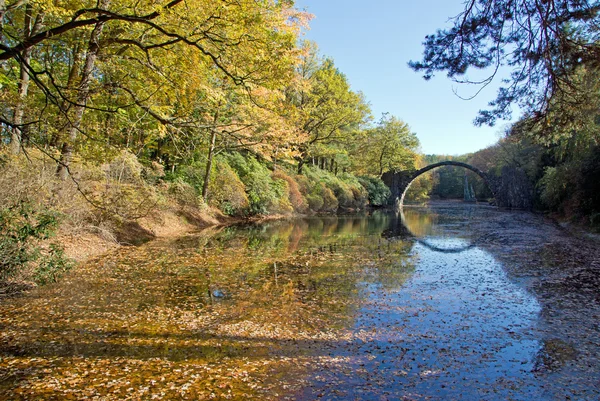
pixel 511 189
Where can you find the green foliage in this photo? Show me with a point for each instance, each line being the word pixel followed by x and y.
pixel 21 229
pixel 329 110
pixel 193 174
pixel 265 194
pixel 326 192
pixel 52 266
pixel 572 186
pixel 330 202
pixel 449 182
pixel 420 189
pixel 390 146
pixel 553 187
pixel 242 185
pixel 185 194
pixel 227 192
pixel 296 198
pixel 313 190
pixel 377 191
pixel 315 201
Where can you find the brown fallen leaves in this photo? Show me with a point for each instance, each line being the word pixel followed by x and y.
pixel 242 314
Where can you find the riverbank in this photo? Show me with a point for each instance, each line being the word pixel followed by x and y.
pixel 174 221
pixel 82 238
pixel 45 221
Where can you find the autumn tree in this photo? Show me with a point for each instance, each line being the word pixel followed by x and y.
pixel 138 60
pixel 328 111
pixel 390 146
pixel 543 43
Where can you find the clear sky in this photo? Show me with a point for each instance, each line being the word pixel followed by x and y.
pixel 371 42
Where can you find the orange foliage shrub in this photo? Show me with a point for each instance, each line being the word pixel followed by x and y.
pixel 295 196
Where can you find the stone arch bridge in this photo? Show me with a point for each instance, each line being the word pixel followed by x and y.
pixel 511 189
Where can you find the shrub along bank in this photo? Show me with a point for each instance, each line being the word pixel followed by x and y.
pixel 123 199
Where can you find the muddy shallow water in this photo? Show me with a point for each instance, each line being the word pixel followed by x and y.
pixel 452 301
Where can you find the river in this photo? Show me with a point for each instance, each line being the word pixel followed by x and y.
pixel 451 301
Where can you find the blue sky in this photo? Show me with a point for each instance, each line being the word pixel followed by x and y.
pixel 372 41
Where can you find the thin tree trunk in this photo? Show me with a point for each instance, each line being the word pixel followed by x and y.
pixel 2 12
pixel 211 152
pixel 82 98
pixel 18 130
pixel 2 63
pixel 56 137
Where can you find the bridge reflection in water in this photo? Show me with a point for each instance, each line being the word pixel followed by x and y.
pixel 423 225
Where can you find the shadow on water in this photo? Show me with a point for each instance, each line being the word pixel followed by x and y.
pixel 375 306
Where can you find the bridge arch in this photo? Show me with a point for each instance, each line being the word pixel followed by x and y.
pixel 404 186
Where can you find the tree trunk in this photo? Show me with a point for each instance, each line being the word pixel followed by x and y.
pixel 211 151
pixel 82 98
pixel 56 138
pixel 17 134
pixel 300 165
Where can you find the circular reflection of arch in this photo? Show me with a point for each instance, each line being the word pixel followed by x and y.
pixel 445 163
pixel 429 246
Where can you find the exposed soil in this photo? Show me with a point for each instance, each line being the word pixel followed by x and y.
pixel 85 244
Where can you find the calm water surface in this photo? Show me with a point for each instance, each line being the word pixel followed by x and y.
pixel 370 307
pixel 458 328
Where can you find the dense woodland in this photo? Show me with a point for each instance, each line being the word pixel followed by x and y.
pixel 552 50
pixel 112 111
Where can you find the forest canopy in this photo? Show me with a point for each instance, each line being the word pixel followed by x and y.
pixel 211 102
